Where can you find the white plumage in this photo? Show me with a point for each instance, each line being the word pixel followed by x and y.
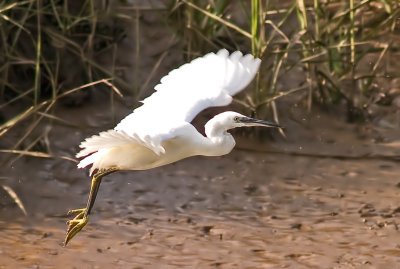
pixel 165 116
pixel 159 132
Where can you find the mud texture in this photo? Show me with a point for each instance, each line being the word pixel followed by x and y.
pixel 327 196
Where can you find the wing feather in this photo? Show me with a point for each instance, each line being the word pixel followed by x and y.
pixel 207 81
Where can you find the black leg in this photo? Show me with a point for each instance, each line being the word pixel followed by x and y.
pixel 95 185
pixel 81 219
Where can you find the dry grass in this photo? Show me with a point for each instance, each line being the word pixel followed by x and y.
pixel 331 42
pixel 335 52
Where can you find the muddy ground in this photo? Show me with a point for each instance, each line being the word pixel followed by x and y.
pixel 327 196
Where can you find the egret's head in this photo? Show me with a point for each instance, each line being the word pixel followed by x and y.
pixel 244 121
pixel 229 120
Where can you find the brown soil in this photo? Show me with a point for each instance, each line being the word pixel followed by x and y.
pixel 245 210
pixel 327 196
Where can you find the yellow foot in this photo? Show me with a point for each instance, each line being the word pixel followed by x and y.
pixel 76 224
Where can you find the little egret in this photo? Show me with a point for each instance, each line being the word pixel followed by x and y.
pixel 159 132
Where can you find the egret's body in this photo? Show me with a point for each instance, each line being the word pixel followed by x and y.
pixel 187 141
pixel 159 132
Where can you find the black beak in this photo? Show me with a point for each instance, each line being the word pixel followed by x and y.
pixel 257 122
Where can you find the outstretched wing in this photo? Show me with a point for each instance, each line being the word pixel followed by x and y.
pixel 207 81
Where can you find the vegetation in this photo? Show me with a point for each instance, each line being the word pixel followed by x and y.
pixel 40 41
pixel 335 52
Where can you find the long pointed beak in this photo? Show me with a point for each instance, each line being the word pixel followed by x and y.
pixel 256 122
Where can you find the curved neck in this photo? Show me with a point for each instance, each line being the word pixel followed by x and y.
pixel 222 142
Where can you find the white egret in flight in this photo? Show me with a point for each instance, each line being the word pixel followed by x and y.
pixel 159 132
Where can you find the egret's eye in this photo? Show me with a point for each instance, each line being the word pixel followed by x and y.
pixel 236 119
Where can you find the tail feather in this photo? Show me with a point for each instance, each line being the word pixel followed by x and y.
pixel 94 147
pixel 107 139
pixel 93 160
pixel 88 161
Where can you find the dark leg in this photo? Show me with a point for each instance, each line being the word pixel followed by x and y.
pixel 81 219
pixel 95 188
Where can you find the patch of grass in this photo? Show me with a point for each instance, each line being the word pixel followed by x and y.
pixel 327 52
pixel 338 51
pixel 40 41
pixel 36 113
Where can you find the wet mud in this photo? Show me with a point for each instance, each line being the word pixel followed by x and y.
pixel 326 196
pixel 245 210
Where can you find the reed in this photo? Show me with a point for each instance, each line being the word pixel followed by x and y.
pixel 323 48
pixel 331 42
pixel 40 40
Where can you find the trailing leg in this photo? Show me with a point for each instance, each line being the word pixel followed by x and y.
pixel 82 215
